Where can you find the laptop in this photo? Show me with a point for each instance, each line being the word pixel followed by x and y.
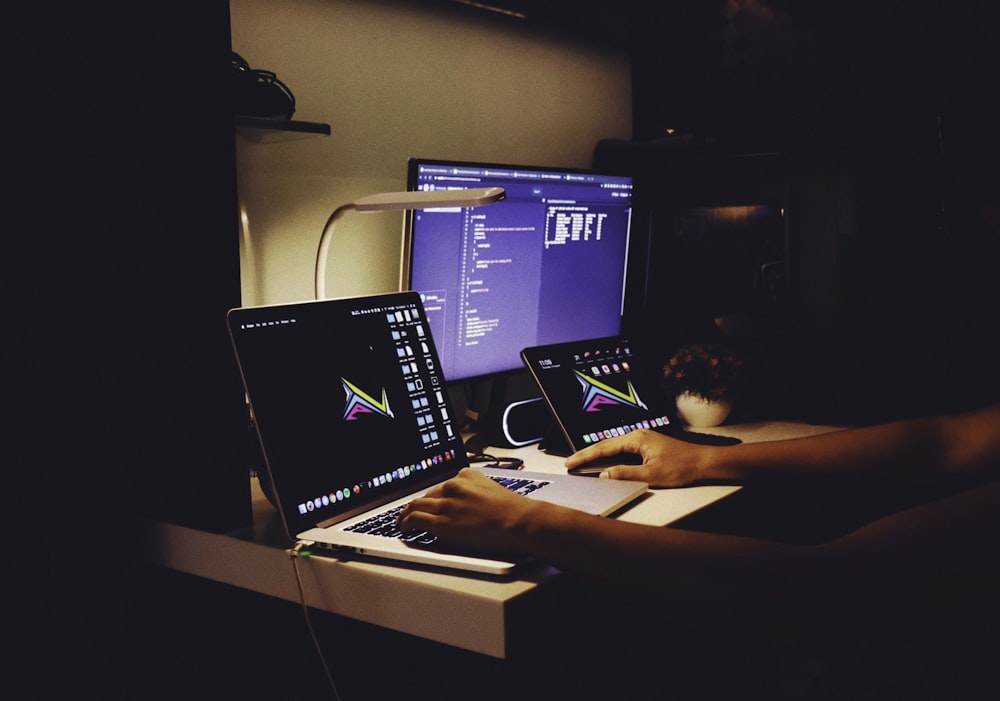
pixel 354 420
pixel 603 387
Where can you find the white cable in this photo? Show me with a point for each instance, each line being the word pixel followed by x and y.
pixel 294 554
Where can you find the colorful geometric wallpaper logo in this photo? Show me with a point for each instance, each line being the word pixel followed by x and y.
pixel 596 394
pixel 360 402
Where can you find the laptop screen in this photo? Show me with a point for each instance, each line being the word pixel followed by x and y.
pixel 348 401
pixel 598 388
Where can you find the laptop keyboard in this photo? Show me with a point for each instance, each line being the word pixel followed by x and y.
pixel 384 523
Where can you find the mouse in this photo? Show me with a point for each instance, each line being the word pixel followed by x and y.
pixel 594 468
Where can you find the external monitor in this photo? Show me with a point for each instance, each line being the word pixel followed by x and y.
pixel 546 265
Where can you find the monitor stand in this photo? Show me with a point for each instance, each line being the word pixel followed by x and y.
pixel 510 424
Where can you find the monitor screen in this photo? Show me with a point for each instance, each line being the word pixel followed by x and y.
pixel 546 265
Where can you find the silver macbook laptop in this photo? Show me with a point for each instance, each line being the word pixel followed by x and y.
pixel 354 420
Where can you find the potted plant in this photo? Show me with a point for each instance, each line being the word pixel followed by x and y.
pixel 705 378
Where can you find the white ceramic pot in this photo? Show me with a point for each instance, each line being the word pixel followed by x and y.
pixel 701 412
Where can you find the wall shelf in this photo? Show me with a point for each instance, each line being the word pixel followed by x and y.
pixel 262 130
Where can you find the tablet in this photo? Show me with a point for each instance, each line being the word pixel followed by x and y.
pixel 604 387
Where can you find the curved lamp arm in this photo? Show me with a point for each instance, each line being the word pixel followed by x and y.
pixel 324 248
pixel 418 199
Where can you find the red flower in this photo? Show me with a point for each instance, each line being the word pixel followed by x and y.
pixel 711 371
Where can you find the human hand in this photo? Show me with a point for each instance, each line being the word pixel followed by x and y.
pixel 666 462
pixel 470 510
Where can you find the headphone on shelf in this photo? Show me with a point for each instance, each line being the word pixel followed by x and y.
pixel 258 93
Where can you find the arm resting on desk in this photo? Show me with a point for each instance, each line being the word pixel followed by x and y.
pixel 928 559
pixel 925 561
pixel 933 450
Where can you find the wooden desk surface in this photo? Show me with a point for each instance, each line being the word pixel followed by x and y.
pixel 477 613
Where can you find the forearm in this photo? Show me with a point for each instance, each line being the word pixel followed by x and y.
pixel 866 453
pixel 921 563
pixel 915 450
pixel 700 577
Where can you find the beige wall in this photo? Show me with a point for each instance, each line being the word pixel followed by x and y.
pixel 396 80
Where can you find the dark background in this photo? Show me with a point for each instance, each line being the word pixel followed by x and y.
pixel 121 260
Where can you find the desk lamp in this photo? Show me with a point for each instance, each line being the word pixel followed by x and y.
pixel 420 199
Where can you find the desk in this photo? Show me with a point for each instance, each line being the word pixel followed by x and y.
pixel 479 614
